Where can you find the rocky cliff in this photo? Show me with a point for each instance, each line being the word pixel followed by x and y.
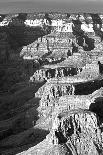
pixel 67 34
pixel 57 107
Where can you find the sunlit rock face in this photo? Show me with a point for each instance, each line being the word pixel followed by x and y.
pixel 66 103
pixel 53 91
pixel 77 128
pixel 67 33
pixel 8 19
pixel 78 83
pixel 97 93
pixel 57 96
pixel 57 71
pixel 36 49
pixel 73 65
pixel 48 47
pixel 5 21
pixel 74 102
pixel 44 74
pixel 50 93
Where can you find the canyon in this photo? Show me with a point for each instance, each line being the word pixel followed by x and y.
pixel 51 94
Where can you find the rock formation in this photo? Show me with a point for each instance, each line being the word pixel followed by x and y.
pixel 77 129
pixel 65 52
pixel 65 36
pixel 47 73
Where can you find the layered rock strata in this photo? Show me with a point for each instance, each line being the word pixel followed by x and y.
pixel 44 74
pixel 77 82
pixel 78 129
pixel 67 34
pixel 66 98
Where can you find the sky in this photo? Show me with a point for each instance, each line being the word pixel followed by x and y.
pixel 15 6
pixel 45 0
pixel 5 1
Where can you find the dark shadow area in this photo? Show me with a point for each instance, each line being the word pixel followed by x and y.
pixel 6 133
pixel 2 16
pixel 13 37
pixel 97 107
pixel 19 98
pixel 97 25
pixel 81 36
pixel 88 87
pixel 19 111
pixel 29 140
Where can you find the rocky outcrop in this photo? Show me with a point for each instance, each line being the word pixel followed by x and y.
pixel 53 91
pixel 66 35
pixel 57 96
pixel 44 74
pixel 78 81
pixel 72 127
pixel 71 66
pixel 48 46
pixel 77 129
pixel 66 102
pixel 5 20
pixel 59 27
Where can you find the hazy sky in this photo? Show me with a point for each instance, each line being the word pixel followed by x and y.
pixel 44 0
pixel 52 0
pixel 7 6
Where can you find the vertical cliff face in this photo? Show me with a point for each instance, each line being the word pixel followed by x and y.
pixel 75 129
pixel 44 74
pixel 54 91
